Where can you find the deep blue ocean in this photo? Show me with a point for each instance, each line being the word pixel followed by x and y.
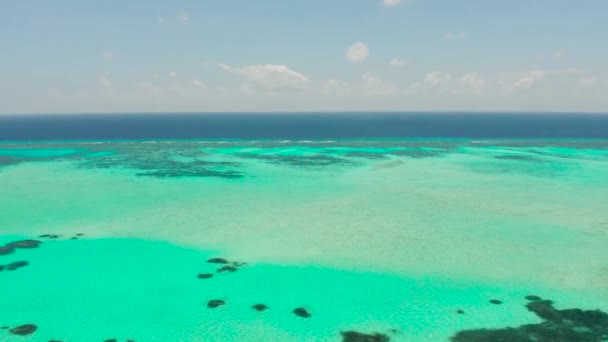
pixel 302 125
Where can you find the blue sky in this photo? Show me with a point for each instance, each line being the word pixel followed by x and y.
pixel 303 55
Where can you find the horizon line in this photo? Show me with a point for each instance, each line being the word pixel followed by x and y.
pixel 308 112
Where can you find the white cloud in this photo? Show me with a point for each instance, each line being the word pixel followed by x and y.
pixel 391 3
pixel 374 85
pixel 368 85
pixel 398 62
pixel 357 53
pixel 198 84
pixel 437 78
pixel 104 82
pixel 160 20
pixel 526 80
pixel 172 74
pixel 183 17
pixel 558 54
pixel 148 89
pixel 472 82
pixel 454 35
pixel 335 87
pixel 270 77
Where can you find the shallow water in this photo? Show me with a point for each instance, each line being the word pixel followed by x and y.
pixel 387 236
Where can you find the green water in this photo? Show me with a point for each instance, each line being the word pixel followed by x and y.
pixel 387 236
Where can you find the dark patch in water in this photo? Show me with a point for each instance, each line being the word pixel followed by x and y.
pixel 9 248
pixel 212 304
pixel 260 307
pixel 303 161
pixel 353 336
pixel 569 325
pixel 227 268
pixel 8 161
pixel 460 312
pixel 162 161
pixel 532 297
pixel 517 157
pixel 366 155
pixel 217 261
pixel 302 312
pixel 49 236
pixel 205 275
pixel 177 173
pixel 23 330
pixel 495 301
pixel 16 265
pixel 419 153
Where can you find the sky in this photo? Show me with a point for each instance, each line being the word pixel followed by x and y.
pixel 78 56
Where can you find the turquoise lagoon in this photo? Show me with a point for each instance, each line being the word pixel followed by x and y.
pixel 375 236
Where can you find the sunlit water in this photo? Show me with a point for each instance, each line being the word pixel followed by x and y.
pixel 375 236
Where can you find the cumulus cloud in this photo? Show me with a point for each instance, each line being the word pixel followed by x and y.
pixel 437 78
pixel 398 62
pixel 104 82
pixel 391 3
pixel 368 85
pixel 199 84
pixel 172 74
pixel 516 81
pixel 374 85
pixel 270 77
pixel 160 20
pixel 472 82
pixel 357 53
pixel 335 87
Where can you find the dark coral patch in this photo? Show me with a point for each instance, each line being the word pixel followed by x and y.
pixel 16 265
pixel 260 307
pixel 9 248
pixel 217 261
pixel 227 268
pixel 495 301
pixel 23 330
pixel 460 312
pixel 215 303
pixel 353 336
pixel 4 250
pixel 24 244
pixel 570 325
pixel 532 298
pixel 205 275
pixel 302 312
